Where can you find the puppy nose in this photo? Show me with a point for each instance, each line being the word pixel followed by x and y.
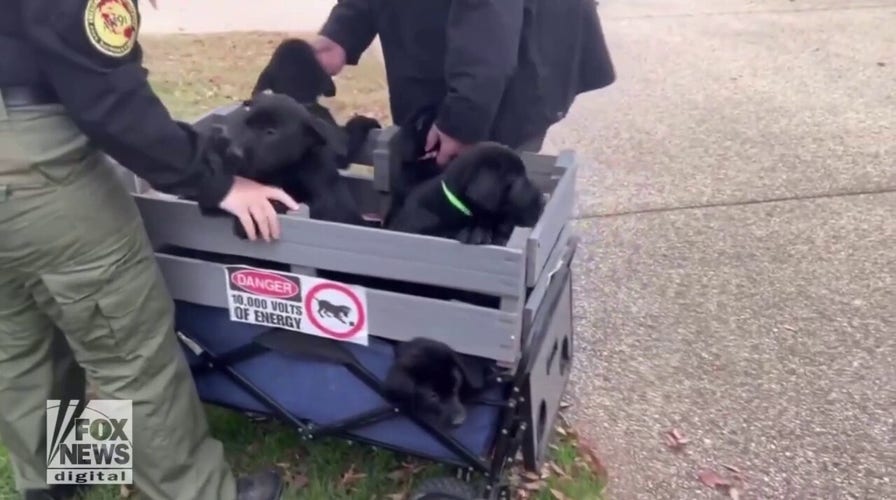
pixel 234 150
pixel 459 417
pixel 220 130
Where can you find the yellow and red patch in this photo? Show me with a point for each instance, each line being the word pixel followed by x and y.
pixel 112 26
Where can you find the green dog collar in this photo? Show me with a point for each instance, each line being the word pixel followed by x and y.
pixel 454 200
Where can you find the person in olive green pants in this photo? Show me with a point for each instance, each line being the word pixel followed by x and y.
pixel 81 296
pixel 75 258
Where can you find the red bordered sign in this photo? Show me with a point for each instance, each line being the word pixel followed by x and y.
pixel 300 303
pixel 337 311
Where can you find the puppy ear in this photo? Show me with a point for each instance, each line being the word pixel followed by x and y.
pixel 330 135
pixel 486 172
pixel 398 386
pixel 326 84
pixel 524 202
pixel 483 191
pixel 474 378
pixel 295 71
pixel 357 129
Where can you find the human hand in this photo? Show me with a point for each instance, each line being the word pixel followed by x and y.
pixel 330 54
pixel 249 200
pixel 448 146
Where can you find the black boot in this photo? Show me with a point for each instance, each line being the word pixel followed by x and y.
pixel 57 492
pixel 260 486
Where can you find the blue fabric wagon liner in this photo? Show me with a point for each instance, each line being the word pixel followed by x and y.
pixel 321 389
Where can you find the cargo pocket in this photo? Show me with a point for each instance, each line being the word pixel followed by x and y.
pixel 138 312
pixel 114 309
pixel 70 299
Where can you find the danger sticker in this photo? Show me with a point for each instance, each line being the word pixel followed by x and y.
pixel 303 304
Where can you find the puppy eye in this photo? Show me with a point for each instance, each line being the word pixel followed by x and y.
pixel 270 131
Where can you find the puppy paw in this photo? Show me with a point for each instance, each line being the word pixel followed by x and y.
pixel 475 235
pixel 356 130
pixel 361 122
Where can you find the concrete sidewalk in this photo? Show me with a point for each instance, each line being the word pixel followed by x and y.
pixel 734 282
pixel 737 279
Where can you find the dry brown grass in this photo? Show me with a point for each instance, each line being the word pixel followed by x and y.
pixel 194 74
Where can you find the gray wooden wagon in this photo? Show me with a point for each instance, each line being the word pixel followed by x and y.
pixel 326 387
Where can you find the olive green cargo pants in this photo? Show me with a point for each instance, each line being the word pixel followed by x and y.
pixel 79 287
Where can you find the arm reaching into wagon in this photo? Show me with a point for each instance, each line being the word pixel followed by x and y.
pixel 100 80
pixel 349 30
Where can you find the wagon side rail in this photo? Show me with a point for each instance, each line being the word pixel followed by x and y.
pixel 509 273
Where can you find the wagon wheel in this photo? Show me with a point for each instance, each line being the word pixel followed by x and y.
pixel 443 488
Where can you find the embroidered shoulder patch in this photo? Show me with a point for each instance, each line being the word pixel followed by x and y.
pixel 111 26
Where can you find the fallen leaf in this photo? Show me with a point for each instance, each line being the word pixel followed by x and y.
pixel 534 486
pixel 124 491
pixel 297 481
pixel 531 476
pixel 731 468
pixel 711 479
pixel 558 494
pixel 396 496
pixel 675 439
pixel 562 420
pixel 594 463
pixel 557 469
pixel 351 476
pixel 400 474
pixel 412 467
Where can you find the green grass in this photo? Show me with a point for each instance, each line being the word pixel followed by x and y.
pixel 331 469
pixel 194 74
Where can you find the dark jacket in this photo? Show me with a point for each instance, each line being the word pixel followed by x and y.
pixel 503 70
pixel 46 43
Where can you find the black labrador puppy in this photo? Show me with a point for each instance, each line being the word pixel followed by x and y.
pixel 284 137
pixel 293 70
pixel 478 198
pixel 277 141
pixel 430 380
